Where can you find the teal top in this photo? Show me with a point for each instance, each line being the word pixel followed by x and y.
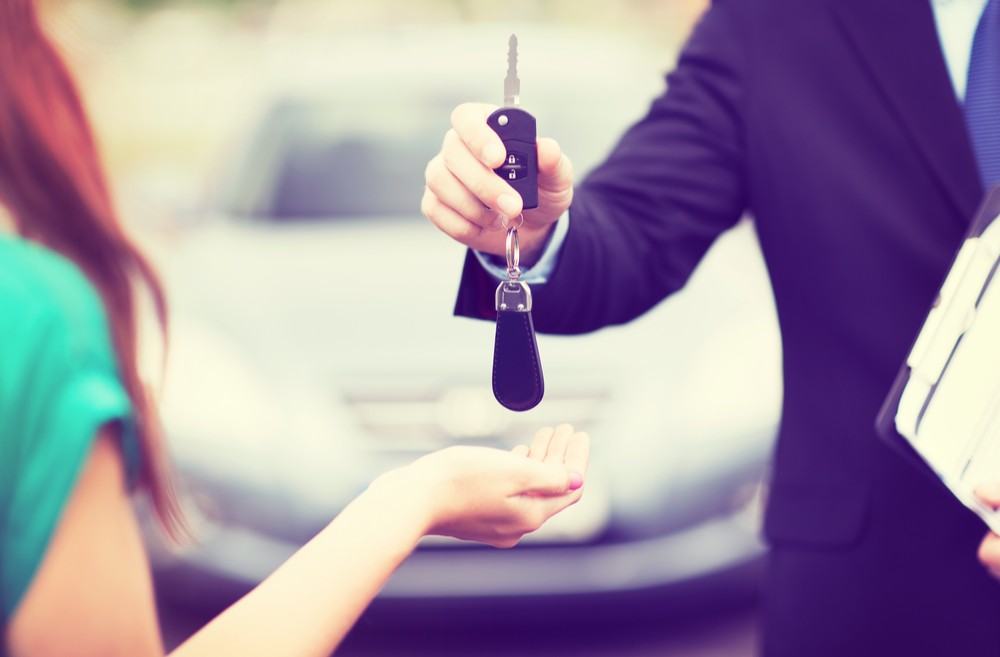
pixel 59 383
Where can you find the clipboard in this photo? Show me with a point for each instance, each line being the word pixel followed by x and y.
pixel 943 410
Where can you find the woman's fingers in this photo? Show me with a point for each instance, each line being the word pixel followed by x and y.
pixel 578 453
pixel 540 445
pixel 553 445
pixel 564 448
pixel 556 452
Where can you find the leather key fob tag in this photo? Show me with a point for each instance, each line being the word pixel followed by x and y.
pixel 517 371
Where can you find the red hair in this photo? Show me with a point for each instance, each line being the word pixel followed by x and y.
pixel 52 181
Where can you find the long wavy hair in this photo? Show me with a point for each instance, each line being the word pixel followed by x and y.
pixel 52 182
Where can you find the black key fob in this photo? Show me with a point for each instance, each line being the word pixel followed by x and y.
pixel 517 370
pixel 516 129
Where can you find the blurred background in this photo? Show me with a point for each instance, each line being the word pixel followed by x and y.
pixel 270 154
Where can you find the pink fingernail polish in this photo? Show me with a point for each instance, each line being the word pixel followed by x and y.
pixel 575 480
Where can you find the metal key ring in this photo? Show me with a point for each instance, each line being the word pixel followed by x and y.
pixel 513 254
pixel 503 221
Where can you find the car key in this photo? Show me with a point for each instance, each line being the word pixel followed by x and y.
pixel 516 129
pixel 517 370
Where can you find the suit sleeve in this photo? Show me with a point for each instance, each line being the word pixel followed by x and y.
pixel 641 221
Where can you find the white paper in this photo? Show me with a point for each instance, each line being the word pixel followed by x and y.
pixel 950 407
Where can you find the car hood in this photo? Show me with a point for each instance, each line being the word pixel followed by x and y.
pixel 352 297
pixel 345 360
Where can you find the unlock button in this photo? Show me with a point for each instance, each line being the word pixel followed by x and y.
pixel 514 167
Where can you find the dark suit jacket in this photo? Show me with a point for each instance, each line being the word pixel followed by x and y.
pixel 834 123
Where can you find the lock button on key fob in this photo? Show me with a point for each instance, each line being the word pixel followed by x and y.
pixel 516 129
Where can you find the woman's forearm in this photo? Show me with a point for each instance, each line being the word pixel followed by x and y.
pixel 487 495
pixel 309 604
pixel 95 577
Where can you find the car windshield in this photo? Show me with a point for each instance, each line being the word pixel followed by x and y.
pixel 359 175
pixel 324 161
pixel 353 150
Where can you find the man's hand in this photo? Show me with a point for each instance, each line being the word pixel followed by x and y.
pixel 465 198
pixel 989 549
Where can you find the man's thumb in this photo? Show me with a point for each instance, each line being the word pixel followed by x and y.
pixel 989 493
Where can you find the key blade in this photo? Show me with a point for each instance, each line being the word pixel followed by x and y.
pixel 511 84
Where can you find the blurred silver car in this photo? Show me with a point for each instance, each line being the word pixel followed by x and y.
pixel 313 344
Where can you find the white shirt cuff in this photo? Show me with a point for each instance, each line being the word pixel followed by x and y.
pixel 537 274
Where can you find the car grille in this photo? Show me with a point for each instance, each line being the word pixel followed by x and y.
pixel 424 416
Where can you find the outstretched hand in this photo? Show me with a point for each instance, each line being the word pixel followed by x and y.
pixel 496 497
